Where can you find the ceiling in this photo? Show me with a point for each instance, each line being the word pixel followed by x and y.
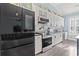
pixel 66 8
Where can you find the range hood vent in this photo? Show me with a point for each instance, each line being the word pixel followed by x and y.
pixel 43 20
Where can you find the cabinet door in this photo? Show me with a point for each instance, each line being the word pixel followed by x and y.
pixel 59 38
pixel 54 39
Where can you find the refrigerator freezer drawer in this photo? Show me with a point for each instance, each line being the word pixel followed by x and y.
pixel 26 50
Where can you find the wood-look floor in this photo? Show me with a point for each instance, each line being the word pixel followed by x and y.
pixel 65 48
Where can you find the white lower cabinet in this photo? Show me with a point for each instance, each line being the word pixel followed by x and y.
pixel 53 40
pixel 56 38
pixel 38 44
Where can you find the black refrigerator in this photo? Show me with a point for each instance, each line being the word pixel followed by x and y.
pixel 16 31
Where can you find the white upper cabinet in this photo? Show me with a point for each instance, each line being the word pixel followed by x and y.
pixel 58 21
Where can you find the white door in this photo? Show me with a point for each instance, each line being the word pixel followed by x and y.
pixel 72 28
pixel 77 25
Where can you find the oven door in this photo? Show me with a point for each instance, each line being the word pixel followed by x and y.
pixel 46 41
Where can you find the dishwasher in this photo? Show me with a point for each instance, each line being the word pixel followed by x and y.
pixel 21 44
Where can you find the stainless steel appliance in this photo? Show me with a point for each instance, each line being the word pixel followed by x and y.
pixel 16 39
pixel 19 44
pixel 46 41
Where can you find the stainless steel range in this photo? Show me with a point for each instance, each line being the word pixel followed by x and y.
pixel 46 41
